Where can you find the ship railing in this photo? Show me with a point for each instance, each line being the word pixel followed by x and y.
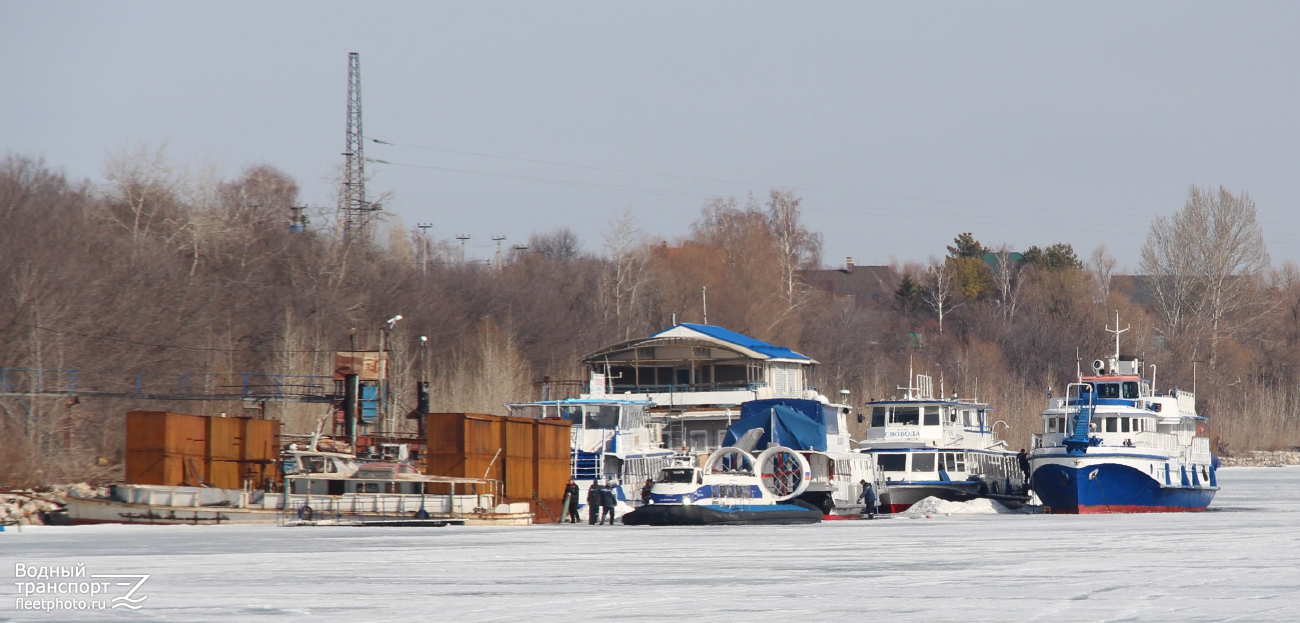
pixel 1200 450
pixel 1159 441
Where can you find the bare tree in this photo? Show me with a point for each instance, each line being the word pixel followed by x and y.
pixel 1205 260
pixel 1006 273
pixel 623 278
pixel 1101 265
pixel 940 283
pixel 561 244
pixel 799 247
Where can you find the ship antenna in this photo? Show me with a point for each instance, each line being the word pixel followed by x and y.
pixel 1116 331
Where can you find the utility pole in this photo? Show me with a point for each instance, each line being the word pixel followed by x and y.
pixel 498 240
pixel 424 246
pixel 462 238
pixel 354 210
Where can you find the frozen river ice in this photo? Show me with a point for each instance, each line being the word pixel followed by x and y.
pixel 1239 561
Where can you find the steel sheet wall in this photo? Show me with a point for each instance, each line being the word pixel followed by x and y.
pixel 225 438
pixel 519 440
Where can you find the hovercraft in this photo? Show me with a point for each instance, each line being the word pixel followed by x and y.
pixel 732 488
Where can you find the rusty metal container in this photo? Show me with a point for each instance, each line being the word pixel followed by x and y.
pixel 161 468
pixel 225 474
pixel 261 440
pixel 163 432
pixel 552 475
pixel 519 439
pixel 465 445
pixel 553 439
pixel 225 438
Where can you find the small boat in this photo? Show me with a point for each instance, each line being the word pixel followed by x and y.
pixel 1113 444
pixel 733 487
pixel 927 446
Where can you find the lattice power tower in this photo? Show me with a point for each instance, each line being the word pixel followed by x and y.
pixel 355 211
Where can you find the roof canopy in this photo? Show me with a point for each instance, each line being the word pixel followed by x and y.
pixel 779 425
pixel 701 342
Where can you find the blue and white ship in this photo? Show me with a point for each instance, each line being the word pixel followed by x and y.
pixel 1113 444
pixel 732 487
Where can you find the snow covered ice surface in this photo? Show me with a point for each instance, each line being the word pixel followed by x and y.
pixel 1238 562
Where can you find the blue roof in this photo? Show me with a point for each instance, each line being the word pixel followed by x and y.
pixel 742 340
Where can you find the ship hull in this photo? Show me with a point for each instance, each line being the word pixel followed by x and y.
pixel 1113 488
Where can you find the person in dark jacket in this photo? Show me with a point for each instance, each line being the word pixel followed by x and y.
pixel 593 502
pixel 571 494
pixel 608 500
pixel 1023 459
pixel 645 491
pixel 868 499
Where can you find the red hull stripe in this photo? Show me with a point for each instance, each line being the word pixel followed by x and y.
pixel 1102 509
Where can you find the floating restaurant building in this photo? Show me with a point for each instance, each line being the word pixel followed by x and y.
pixel 697 376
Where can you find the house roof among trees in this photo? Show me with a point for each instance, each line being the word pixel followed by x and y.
pixel 866 283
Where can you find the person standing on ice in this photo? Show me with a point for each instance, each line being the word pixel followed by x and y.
pixel 1023 459
pixel 571 495
pixel 593 502
pixel 645 491
pixel 868 499
pixel 607 502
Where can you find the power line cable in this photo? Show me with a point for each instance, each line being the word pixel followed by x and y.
pixel 157 345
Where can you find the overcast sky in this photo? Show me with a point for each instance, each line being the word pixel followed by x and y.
pixel 900 124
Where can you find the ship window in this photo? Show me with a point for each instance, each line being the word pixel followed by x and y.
pixel 1108 390
pixel 877 416
pixel 331 467
pixel 932 416
pixel 952 416
pixel 1050 425
pixel 677 475
pixel 1123 425
pixel 312 464
pixel 1130 390
pixel 950 462
pixel 1110 425
pixel 605 416
pixel 923 462
pixel 892 462
pixel 907 416
pixel 961 462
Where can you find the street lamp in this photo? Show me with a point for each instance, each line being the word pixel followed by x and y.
pixel 383 358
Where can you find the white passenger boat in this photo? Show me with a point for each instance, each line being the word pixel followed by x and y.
pixel 732 487
pixel 1113 444
pixel 925 446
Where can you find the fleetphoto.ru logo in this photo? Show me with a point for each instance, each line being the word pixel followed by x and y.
pixel 71 588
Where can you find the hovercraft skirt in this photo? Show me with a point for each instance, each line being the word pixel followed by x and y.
pixel 708 515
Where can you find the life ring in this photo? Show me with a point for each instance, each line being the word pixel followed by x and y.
pixel 305 513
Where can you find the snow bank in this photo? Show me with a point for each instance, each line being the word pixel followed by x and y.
pixel 936 506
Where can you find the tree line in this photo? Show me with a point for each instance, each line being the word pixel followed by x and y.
pixel 162 271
